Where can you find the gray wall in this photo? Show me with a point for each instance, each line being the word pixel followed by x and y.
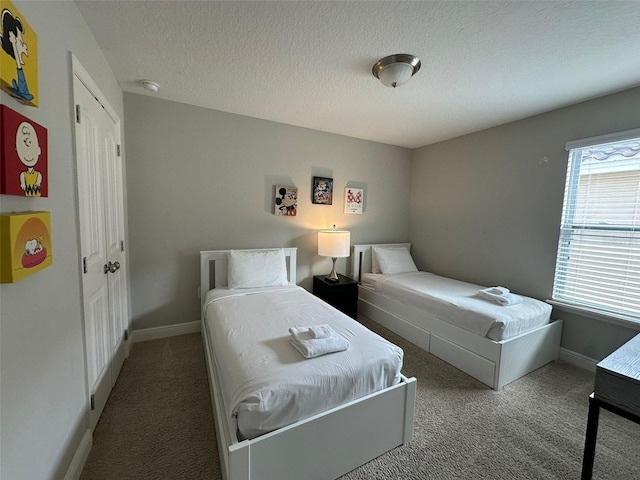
pixel 486 207
pixel 202 179
pixel 43 393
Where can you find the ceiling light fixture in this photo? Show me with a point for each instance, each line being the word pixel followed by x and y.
pixel 150 86
pixel 396 69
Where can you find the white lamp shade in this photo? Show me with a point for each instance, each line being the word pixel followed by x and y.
pixel 395 74
pixel 334 243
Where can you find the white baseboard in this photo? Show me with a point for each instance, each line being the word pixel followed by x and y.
pixel 164 331
pixel 578 360
pixel 80 457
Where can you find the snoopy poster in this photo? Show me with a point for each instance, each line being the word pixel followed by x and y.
pixel 25 244
pixel 23 155
pixel 19 56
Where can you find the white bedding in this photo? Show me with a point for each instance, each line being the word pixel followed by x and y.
pixel 266 383
pixel 458 303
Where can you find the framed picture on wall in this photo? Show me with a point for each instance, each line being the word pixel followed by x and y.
pixel 353 200
pixel 19 56
pixel 23 155
pixel 286 201
pixel 25 244
pixel 322 191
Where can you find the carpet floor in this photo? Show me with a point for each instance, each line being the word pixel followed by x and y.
pixel 158 424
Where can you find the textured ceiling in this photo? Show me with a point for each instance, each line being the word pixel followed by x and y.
pixel 308 63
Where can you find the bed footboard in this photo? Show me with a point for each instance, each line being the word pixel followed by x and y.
pixel 331 444
pixel 322 447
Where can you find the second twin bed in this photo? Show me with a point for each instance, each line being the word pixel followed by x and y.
pixel 495 343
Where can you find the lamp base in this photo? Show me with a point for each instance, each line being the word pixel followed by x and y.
pixel 333 276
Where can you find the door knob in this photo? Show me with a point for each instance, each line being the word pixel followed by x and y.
pixel 113 267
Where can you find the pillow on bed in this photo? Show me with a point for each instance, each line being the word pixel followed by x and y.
pixel 393 260
pixel 260 268
pixel 375 267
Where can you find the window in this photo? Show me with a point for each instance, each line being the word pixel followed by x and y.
pixel 598 262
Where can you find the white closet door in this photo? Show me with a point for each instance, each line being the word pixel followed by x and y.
pixel 114 235
pixel 101 219
pixel 90 161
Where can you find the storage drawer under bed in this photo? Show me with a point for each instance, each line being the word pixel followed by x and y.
pixel 461 358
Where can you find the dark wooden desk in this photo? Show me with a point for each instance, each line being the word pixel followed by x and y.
pixel 617 389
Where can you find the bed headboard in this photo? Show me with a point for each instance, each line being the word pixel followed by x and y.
pixel 361 259
pixel 213 268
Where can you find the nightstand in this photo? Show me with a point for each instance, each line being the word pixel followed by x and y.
pixel 343 295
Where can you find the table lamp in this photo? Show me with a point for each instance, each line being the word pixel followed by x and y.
pixel 333 243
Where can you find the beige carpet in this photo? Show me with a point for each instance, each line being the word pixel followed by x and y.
pixel 158 423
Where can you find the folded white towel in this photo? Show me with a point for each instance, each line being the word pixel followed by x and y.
pixel 320 331
pixel 310 347
pixel 300 333
pixel 496 290
pixel 500 295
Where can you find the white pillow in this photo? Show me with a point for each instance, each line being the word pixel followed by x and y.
pixel 261 268
pixel 375 267
pixel 394 260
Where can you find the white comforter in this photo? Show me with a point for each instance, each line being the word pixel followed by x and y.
pixel 458 303
pixel 266 383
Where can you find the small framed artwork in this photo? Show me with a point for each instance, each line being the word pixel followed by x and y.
pixel 25 244
pixel 19 56
pixel 353 200
pixel 322 191
pixel 23 155
pixel 286 201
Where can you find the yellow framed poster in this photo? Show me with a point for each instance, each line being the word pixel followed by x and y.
pixel 25 244
pixel 19 55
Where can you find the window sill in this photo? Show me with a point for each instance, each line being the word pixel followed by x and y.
pixel 597 315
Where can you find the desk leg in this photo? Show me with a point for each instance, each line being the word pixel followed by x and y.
pixel 590 438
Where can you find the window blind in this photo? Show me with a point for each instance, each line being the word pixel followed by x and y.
pixel 598 259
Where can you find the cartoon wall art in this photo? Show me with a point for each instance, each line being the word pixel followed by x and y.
pixel 322 190
pixel 353 200
pixel 19 56
pixel 286 202
pixel 23 155
pixel 25 244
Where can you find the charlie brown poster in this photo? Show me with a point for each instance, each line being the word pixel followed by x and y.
pixel 19 55
pixel 23 155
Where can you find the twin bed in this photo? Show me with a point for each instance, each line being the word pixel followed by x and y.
pixel 493 343
pixel 277 414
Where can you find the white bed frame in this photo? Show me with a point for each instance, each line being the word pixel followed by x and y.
pixel 493 363
pixel 321 447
